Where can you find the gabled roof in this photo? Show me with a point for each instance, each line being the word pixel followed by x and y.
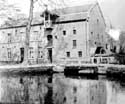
pixel 74 13
pixel 65 14
pixel 74 9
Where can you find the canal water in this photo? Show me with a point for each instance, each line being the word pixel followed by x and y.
pixel 60 89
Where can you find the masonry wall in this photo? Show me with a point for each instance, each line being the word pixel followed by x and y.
pixel 63 42
pixel 97 35
pixel 12 40
pixel 72 41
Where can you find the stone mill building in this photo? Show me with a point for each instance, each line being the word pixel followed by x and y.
pixel 64 35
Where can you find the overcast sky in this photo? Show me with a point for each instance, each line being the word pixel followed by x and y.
pixel 113 10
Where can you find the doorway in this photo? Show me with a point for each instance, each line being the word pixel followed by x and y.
pixel 50 55
pixel 22 54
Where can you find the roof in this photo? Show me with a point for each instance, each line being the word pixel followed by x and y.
pixel 21 23
pixel 65 14
pixel 74 9
pixel 69 13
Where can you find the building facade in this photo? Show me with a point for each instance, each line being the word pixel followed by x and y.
pixel 65 35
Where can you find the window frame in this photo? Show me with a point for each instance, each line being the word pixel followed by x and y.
pixel 74 31
pixel 68 54
pixel 74 43
pixel 64 32
pixel 80 53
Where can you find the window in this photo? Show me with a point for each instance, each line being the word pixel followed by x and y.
pixel 74 31
pixel 36 32
pixel 9 34
pixel 80 53
pixel 31 52
pixel 40 27
pixel 9 52
pixel 9 38
pixel 64 32
pixel 106 46
pixel 40 54
pixel 97 20
pixel 21 32
pixel 74 44
pixel 92 34
pixel 46 16
pixel 98 36
pixel 56 37
pixel 68 54
pixel 15 30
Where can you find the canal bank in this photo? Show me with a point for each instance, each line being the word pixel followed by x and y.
pixel 102 69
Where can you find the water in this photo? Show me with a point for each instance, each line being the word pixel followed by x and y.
pixel 59 89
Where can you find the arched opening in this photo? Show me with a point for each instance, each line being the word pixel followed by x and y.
pixel 100 50
pixel 50 40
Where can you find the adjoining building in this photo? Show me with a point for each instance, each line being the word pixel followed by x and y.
pixel 68 34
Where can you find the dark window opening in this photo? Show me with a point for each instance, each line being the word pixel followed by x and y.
pixel 40 27
pixel 9 34
pixel 40 53
pixel 31 52
pixel 68 54
pixel 50 55
pixel 64 32
pixel 98 36
pixel 100 50
pixel 9 38
pixel 74 89
pixel 74 44
pixel 50 40
pixel 97 20
pixel 95 60
pixel 106 46
pixel 64 100
pixel 74 31
pixel 46 16
pixel 49 37
pixel 56 37
pixel 21 32
pixel 9 53
pixel 80 53
pixel 16 30
pixel 92 34
pixel 75 99
pixel 114 50
pixel 22 54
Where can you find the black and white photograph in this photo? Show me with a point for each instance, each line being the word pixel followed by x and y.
pixel 62 52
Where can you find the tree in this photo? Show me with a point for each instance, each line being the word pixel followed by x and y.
pixel 122 42
pixel 28 28
pixel 8 10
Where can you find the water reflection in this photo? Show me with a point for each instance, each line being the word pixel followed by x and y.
pixel 58 89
